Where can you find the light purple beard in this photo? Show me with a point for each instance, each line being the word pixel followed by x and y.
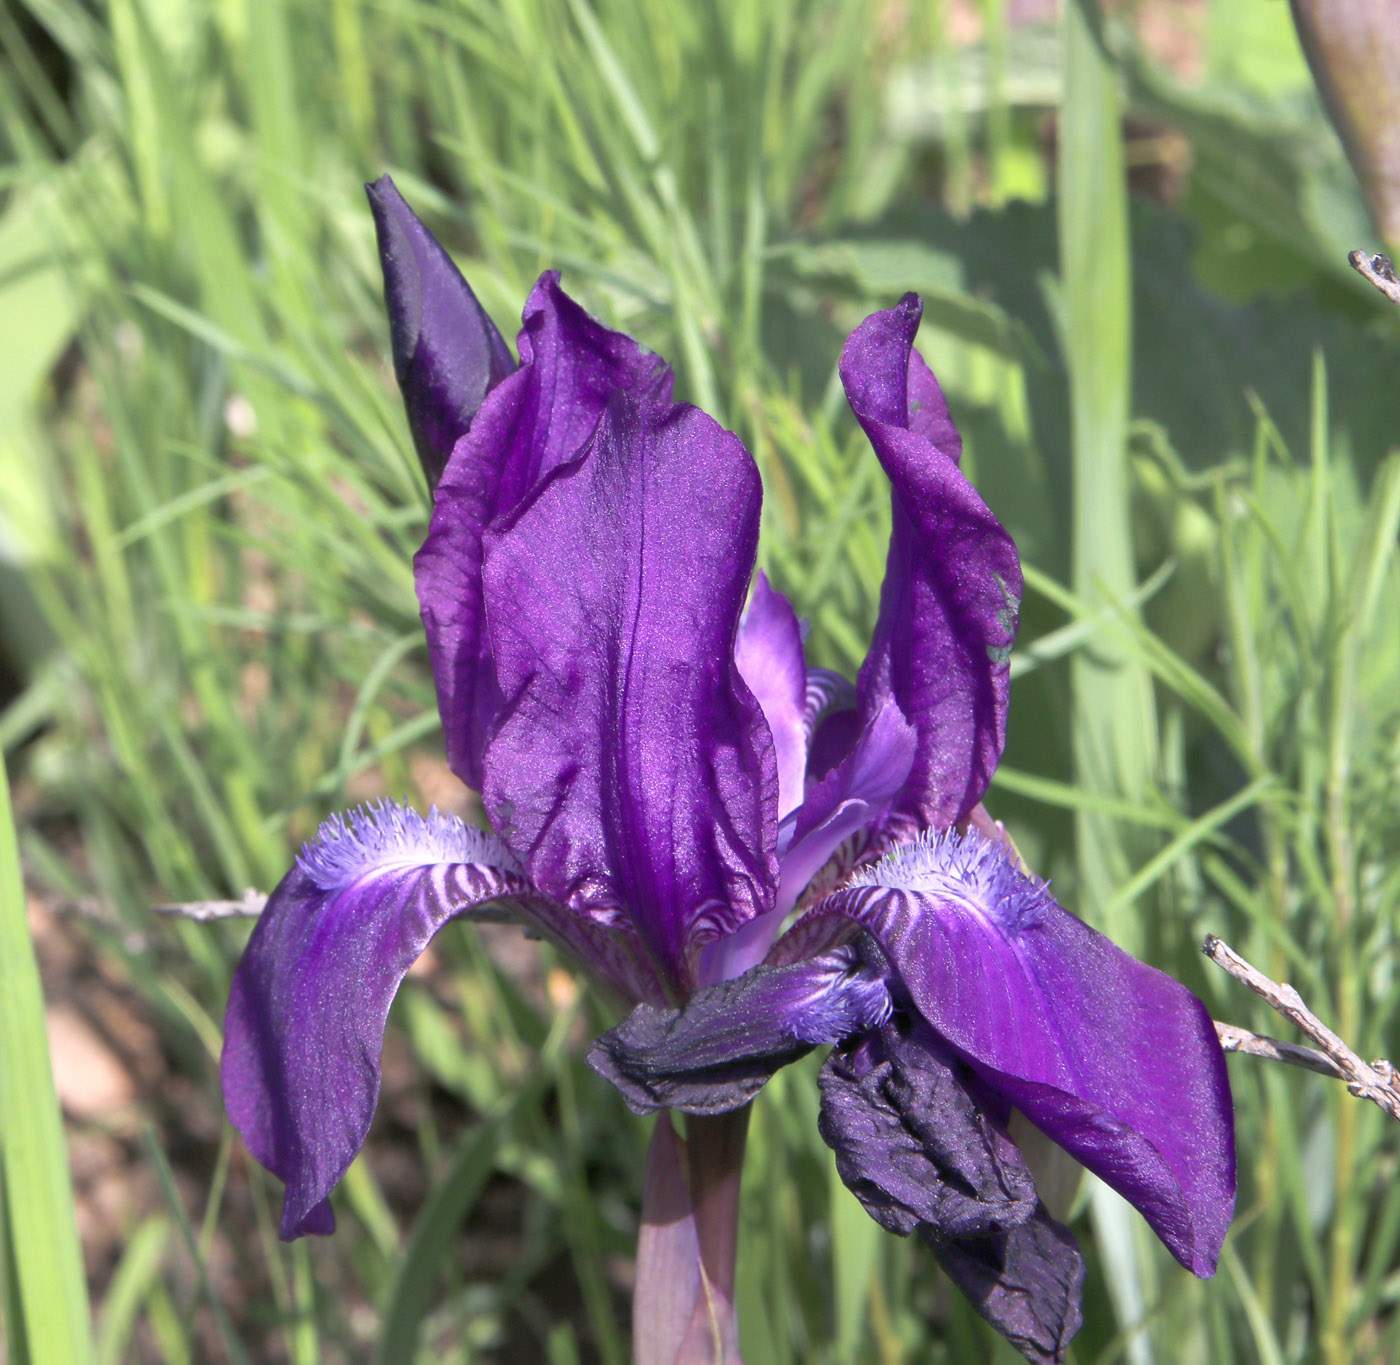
pixel 386 833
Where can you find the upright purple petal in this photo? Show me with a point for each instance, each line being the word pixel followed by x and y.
pixel 448 354
pixel 308 1002
pixel 952 590
pixel 770 659
pixel 631 768
pixel 1112 1059
pixel 538 419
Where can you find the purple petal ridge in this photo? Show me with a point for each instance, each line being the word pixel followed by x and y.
pixel 448 354
pixel 952 591
pixel 769 655
pixel 631 769
pixel 539 418
pixel 854 795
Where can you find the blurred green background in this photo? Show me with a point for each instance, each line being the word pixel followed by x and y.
pixel 1130 235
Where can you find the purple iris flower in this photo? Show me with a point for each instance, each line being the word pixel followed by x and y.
pixel 759 857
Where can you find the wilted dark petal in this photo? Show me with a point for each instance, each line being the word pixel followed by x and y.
pixel 1112 1059
pixel 448 354
pixel 308 1001
pixel 717 1051
pixel 952 590
pixel 631 766
pixel 769 655
pixel 1027 1282
pixel 911 1141
pixel 538 419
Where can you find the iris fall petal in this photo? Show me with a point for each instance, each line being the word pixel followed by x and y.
pixel 1114 1060
pixel 309 999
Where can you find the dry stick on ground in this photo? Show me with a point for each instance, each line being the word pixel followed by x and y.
pixel 1375 1081
pixel 1379 271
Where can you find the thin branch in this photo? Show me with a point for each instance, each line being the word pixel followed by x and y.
pixel 1233 1038
pixel 1374 1081
pixel 249 907
pixel 1379 270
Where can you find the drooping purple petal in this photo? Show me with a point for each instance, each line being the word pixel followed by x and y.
pixel 770 659
pixel 537 419
pixel 912 1144
pixel 448 354
pixel 952 590
pixel 1027 1282
pixel 718 1050
pixel 631 767
pixel 1112 1059
pixel 310 996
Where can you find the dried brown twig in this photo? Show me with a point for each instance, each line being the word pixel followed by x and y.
pixel 249 907
pixel 1375 1081
pixel 1379 270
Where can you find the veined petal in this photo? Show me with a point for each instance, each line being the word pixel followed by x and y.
pixel 537 419
pixel 1112 1059
pixel 448 354
pixel 718 1050
pixel 952 592
pixel 631 767
pixel 770 659
pixel 308 1001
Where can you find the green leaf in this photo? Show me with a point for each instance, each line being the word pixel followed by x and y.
pixel 41 1229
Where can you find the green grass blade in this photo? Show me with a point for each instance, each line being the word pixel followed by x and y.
pixel 136 1272
pixel 1115 729
pixel 42 1229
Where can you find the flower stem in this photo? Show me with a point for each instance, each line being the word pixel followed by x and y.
pixel 683 1307
pixel 716 1168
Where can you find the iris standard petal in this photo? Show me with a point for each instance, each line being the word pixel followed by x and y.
pixel 308 1002
pixel 448 354
pixel 1111 1058
pixel 631 767
pixel 718 1050
pixel 951 597
pixel 537 419
pixel 770 659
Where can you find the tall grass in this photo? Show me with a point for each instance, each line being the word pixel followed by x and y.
pixel 214 502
